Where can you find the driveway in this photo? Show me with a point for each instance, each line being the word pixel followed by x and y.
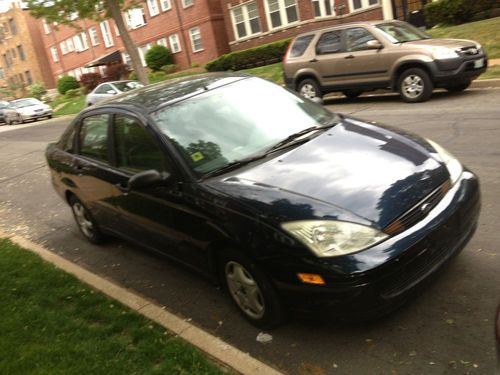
pixel 448 329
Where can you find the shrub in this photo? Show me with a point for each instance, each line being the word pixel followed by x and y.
pixel 118 71
pixel 170 68
pixel 67 83
pixel 454 12
pixel 89 81
pixel 250 58
pixel 132 75
pixel 37 90
pixel 73 93
pixel 158 56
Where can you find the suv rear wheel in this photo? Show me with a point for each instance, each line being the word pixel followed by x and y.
pixel 414 85
pixel 309 88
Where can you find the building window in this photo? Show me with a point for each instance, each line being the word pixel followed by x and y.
pixel 126 59
pixel 20 52
pixel 70 45
pixel 29 78
pixel 175 45
pixel 55 55
pixel 195 36
pixel 162 42
pixel 64 48
pixel 362 4
pixel 187 3
pixel 135 18
pixel 323 8
pixel 142 53
pixel 106 34
pixel 12 26
pixel 246 20
pixel 94 38
pixel 117 32
pixel 165 5
pixel 81 42
pixel 46 26
pixel 282 12
pixel 153 8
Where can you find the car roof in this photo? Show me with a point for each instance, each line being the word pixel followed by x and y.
pixel 154 96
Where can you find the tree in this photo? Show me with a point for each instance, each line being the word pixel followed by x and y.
pixel 64 12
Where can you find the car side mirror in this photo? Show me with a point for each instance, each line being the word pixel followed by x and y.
pixel 146 179
pixel 112 92
pixel 374 44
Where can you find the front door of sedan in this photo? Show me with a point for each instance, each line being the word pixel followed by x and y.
pixel 156 216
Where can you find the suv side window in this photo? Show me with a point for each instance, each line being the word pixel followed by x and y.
pixel 300 45
pixel 329 42
pixel 103 89
pixel 93 137
pixel 356 38
pixel 136 150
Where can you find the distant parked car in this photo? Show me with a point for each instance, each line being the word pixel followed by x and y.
pixel 22 110
pixel 109 89
pixel 364 56
pixel 3 105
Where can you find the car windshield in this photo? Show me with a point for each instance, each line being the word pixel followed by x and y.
pixel 4 105
pixel 236 122
pixel 127 85
pixel 25 103
pixel 397 32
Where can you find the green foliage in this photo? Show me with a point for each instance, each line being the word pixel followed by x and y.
pixel 132 75
pixel 250 58
pixel 455 12
pixel 158 56
pixel 37 90
pixel 170 68
pixel 67 83
pixel 73 93
pixel 157 76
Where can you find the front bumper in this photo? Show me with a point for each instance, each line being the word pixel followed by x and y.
pixel 453 71
pixel 36 115
pixel 375 281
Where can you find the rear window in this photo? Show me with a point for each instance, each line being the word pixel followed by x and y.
pixel 300 45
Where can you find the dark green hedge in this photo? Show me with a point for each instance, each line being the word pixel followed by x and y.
pixel 455 12
pixel 250 58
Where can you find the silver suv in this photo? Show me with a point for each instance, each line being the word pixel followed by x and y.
pixel 357 57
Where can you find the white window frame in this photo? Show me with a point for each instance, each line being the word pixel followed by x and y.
pixel 165 5
pixel 106 34
pixel 55 55
pixel 246 20
pixel 162 42
pixel 70 45
pixel 282 12
pixel 364 5
pixel 135 18
pixel 94 36
pixel 195 32
pixel 153 8
pixel 322 8
pixel 187 3
pixel 46 26
pixel 64 48
pixel 175 43
pixel 142 52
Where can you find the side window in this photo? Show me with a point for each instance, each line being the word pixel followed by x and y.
pixel 300 45
pixel 329 42
pixel 103 89
pixel 68 144
pixel 135 149
pixel 356 38
pixel 93 137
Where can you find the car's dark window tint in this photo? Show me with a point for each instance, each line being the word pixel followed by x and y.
pixel 300 45
pixel 329 42
pixel 94 137
pixel 135 149
pixel 69 142
pixel 356 39
pixel 103 89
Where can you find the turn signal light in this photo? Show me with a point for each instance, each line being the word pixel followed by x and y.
pixel 311 278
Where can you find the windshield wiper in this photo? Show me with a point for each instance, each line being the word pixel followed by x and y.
pixel 234 165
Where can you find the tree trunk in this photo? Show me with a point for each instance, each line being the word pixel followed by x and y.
pixel 116 15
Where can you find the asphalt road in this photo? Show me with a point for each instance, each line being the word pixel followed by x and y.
pixel 447 329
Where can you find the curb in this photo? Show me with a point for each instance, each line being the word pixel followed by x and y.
pixel 485 83
pixel 214 347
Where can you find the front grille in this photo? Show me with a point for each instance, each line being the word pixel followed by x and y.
pixel 419 211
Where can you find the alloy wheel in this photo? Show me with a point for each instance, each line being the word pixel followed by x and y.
pixel 413 86
pixel 85 224
pixel 308 91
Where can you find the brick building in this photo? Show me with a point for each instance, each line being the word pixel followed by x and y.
pixel 255 22
pixel 23 58
pixel 194 30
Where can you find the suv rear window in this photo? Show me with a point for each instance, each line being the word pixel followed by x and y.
pixel 300 45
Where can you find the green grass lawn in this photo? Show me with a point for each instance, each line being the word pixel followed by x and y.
pixel 272 72
pixel 68 106
pixel 51 323
pixel 485 32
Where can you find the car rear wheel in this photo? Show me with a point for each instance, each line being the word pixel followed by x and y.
pixel 458 87
pixel 20 119
pixel 415 85
pixel 250 289
pixel 309 88
pixel 85 221
pixel 352 94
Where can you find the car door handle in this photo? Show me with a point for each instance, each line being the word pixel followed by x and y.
pixel 313 60
pixel 349 57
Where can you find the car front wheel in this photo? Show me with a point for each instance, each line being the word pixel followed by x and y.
pixel 252 292
pixel 85 221
pixel 415 85
pixel 309 88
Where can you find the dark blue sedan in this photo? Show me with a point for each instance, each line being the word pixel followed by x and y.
pixel 291 206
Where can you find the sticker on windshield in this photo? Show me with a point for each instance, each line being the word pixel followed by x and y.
pixel 197 156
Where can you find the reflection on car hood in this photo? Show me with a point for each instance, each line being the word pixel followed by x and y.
pixel 355 168
pixel 449 43
pixel 31 108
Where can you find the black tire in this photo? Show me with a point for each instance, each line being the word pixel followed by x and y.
pixel 309 88
pixel 266 310
pixel 49 117
pixel 458 87
pixel 20 119
pixel 352 94
pixel 85 222
pixel 415 85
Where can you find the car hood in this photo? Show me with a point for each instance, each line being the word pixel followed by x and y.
pixel 32 108
pixel 449 43
pixel 354 171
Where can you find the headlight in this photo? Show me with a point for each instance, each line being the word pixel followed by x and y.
pixel 454 167
pixel 441 53
pixel 329 238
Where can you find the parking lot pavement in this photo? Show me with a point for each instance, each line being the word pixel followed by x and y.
pixel 447 329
